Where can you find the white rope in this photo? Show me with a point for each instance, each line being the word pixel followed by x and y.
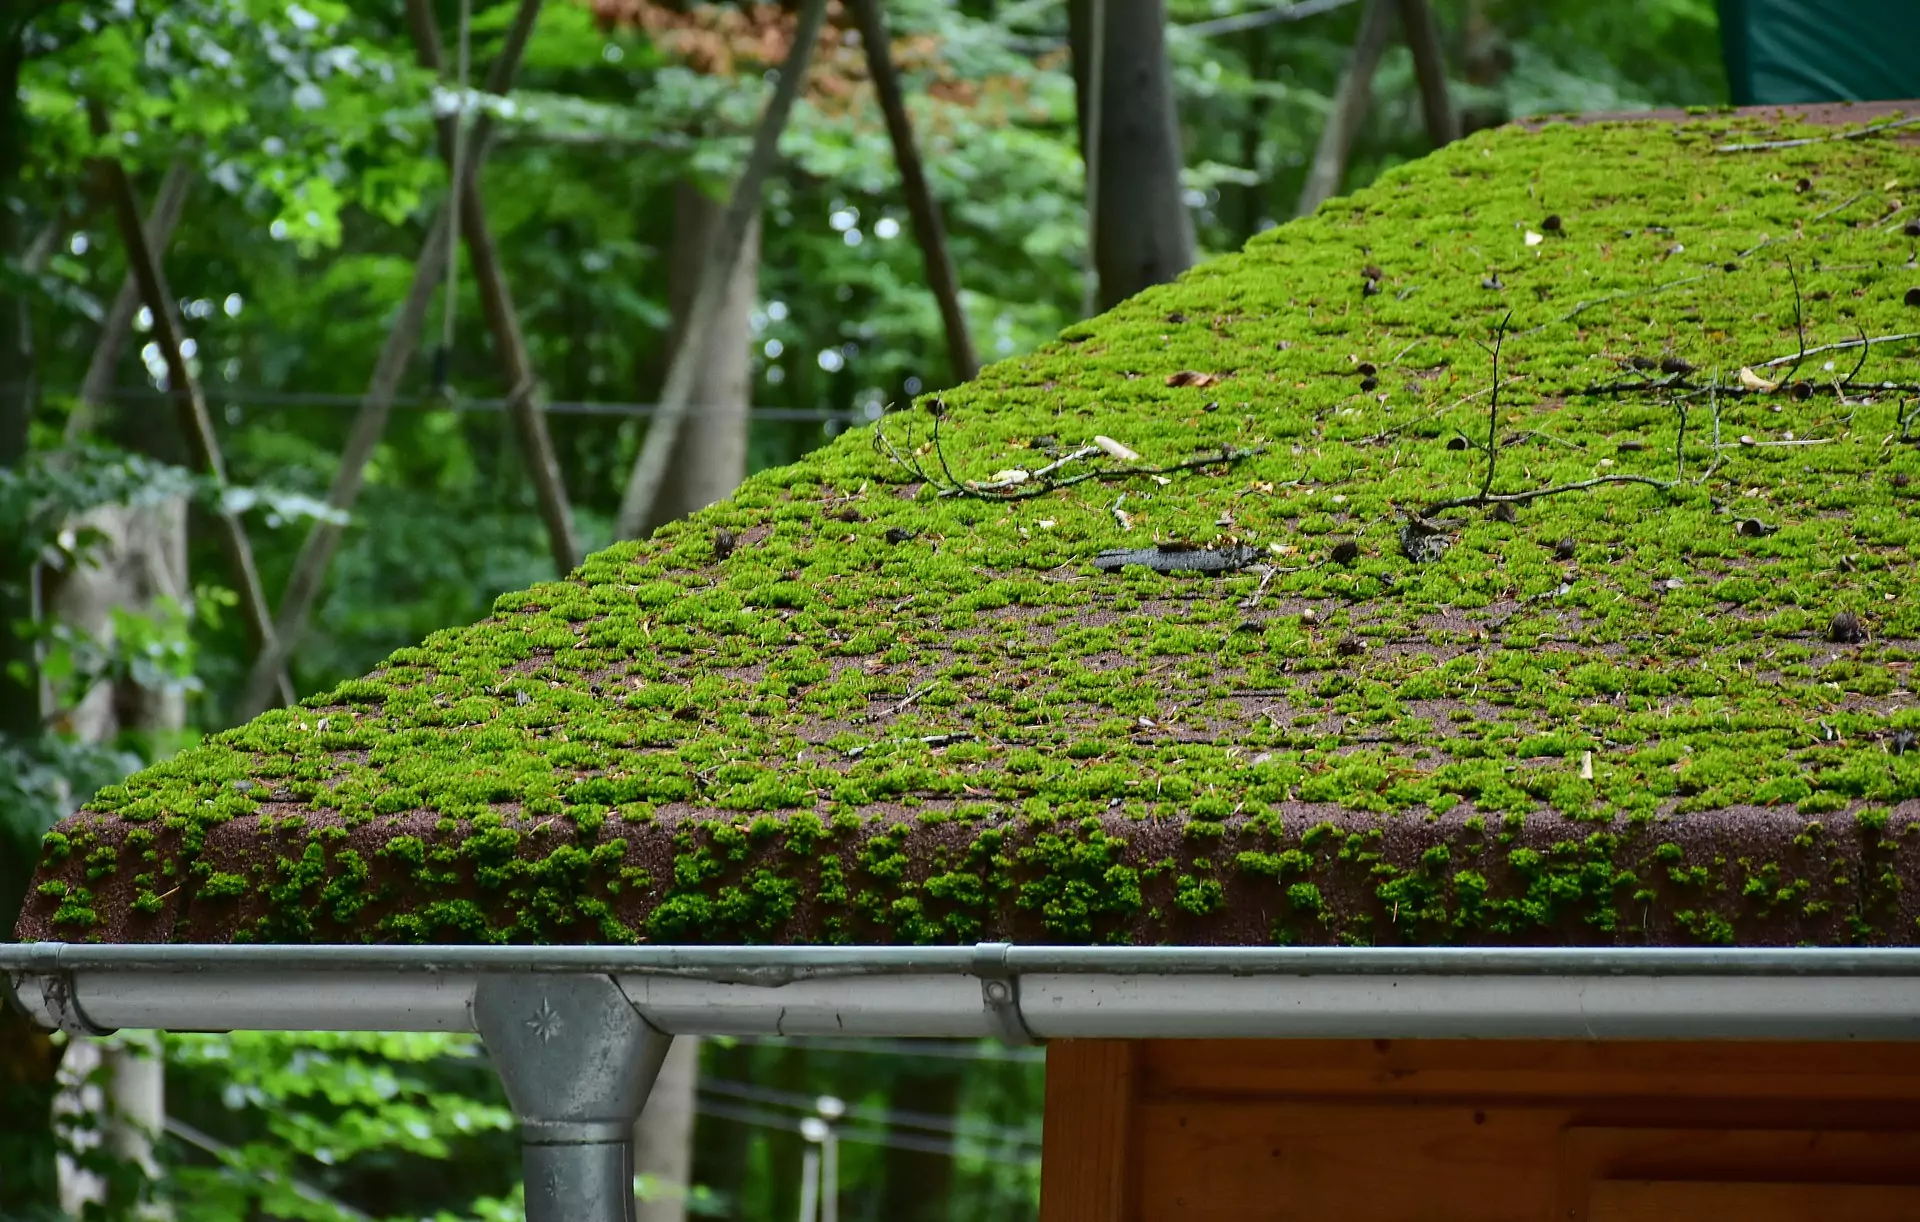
pixel 449 308
pixel 1096 72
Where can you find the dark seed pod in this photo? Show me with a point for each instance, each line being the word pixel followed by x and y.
pixel 1345 552
pixel 1901 479
pixel 1369 383
pixel 1564 550
pixel 1729 266
pixel 1676 364
pixel 1176 317
pixel 1350 646
pixel 1911 229
pixel 1913 297
pixel 1803 186
pixel 936 407
pixel 723 544
pixel 1641 362
pixel 1211 407
pixel 1365 369
pixel 1372 273
pixel 1846 629
pixel 897 535
pixel 1456 443
pixel 1801 391
pixel 1503 512
pixel 1552 223
pixel 1754 528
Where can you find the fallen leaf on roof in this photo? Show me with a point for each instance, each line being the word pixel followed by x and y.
pixel 1192 377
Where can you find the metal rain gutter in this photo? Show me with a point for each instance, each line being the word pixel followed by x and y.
pixel 577 1033
pixel 1012 992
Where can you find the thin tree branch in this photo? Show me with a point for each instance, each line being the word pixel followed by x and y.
pixel 925 210
pixel 195 423
pixel 1841 346
pixel 524 395
pixel 96 388
pixel 1516 498
pixel 1799 325
pixel 649 469
pixel 316 551
pixel 1349 108
pixel 1493 406
pixel 1806 140
pixel 1841 206
pixel 1584 306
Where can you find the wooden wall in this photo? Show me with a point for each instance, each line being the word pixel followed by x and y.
pixel 1480 1131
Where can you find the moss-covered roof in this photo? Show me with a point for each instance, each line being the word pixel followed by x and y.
pixel 846 706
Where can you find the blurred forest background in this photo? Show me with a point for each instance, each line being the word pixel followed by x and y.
pixel 286 158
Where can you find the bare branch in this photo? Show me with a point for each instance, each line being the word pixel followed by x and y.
pixel 1841 346
pixel 1584 306
pixel 1430 70
pixel 196 425
pixel 1493 406
pixel 96 388
pixel 524 395
pixel 927 225
pixel 1517 498
pixel 1806 140
pixel 316 551
pixel 1348 110
pixel 676 397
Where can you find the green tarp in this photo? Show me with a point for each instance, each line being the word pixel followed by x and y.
pixel 1793 51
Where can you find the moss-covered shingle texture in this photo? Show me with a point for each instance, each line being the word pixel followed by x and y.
pixel 893 693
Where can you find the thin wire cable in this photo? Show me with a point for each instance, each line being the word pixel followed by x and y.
pixel 254 398
pixel 459 168
pixel 864 1137
pixel 893 1118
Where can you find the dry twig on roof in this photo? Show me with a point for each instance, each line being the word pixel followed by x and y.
pixel 1806 140
pixel 1039 482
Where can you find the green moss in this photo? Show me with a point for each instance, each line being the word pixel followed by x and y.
pixel 964 729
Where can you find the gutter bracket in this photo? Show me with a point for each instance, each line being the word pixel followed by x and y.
pixel 58 1008
pixel 1000 993
pixel 578 1062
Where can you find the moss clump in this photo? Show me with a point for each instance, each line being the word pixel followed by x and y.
pixel 887 714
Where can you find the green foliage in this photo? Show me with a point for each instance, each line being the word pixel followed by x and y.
pixel 340 1113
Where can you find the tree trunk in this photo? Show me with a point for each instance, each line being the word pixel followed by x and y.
pixel 710 455
pixel 663 1136
pixel 1142 231
pixel 19 698
pixel 1430 69
pixel 917 1184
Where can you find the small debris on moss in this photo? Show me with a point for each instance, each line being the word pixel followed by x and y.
pixel 1846 629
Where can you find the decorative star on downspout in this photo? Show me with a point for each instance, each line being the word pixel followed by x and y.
pixel 546 1022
